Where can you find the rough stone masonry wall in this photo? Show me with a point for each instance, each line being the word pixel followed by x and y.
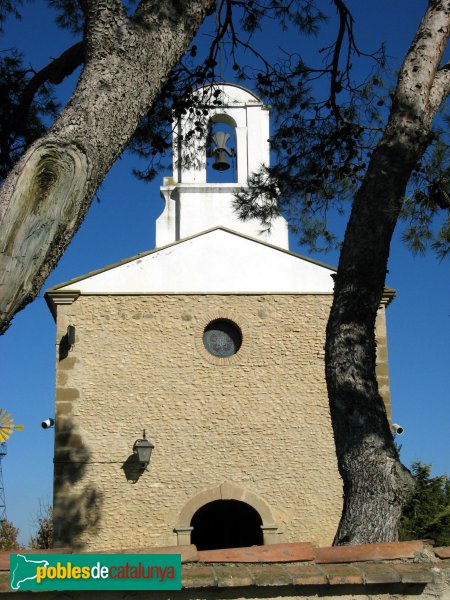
pixel 259 420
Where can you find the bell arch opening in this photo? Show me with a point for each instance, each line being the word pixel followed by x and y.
pixel 221 163
pixel 226 524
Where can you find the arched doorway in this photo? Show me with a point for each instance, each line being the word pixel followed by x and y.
pixel 226 524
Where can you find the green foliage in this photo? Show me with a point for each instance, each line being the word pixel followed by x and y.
pixel 430 195
pixel 304 15
pixel 44 534
pixel 22 120
pixel 69 14
pixel 8 7
pixel 8 536
pixel 327 127
pixel 427 516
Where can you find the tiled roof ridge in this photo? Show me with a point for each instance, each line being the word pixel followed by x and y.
pixel 305 551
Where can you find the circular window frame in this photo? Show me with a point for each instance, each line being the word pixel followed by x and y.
pixel 227 327
pixel 238 323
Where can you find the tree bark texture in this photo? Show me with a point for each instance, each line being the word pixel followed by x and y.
pixel 376 485
pixel 47 194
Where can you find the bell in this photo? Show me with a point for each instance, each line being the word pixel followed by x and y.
pixel 220 152
pixel 221 162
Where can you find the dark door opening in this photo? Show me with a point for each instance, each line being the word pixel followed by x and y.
pixel 226 524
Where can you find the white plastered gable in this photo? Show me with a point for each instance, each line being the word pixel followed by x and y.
pixel 216 261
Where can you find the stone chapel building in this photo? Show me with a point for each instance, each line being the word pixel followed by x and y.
pixel 213 343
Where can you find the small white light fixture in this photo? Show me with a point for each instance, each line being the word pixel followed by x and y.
pixel 397 429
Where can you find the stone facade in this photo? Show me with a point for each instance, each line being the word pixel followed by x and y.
pixel 254 427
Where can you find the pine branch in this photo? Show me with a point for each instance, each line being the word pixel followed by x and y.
pixel 440 88
pixel 55 72
pixel 423 58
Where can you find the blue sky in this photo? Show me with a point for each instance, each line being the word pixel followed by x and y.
pixel 122 224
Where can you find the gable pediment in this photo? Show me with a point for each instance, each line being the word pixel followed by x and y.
pixel 216 261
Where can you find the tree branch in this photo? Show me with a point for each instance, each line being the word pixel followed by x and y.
pixel 103 17
pixel 55 72
pixel 101 9
pixel 46 195
pixel 343 15
pixel 423 58
pixel 440 88
pixel 150 12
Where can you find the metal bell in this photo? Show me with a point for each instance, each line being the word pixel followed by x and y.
pixel 220 152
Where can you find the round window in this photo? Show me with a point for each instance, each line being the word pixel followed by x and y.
pixel 222 338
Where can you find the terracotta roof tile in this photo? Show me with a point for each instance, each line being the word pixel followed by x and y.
pixel 188 552
pixel 265 554
pixel 364 552
pixel 443 552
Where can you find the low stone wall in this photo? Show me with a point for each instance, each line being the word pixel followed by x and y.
pixel 397 571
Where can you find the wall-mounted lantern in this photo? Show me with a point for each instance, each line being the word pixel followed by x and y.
pixel 143 449
pixel 70 336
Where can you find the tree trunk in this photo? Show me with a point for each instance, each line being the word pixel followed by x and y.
pixel 376 485
pixel 46 196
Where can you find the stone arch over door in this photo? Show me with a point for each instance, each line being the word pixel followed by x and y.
pixel 226 491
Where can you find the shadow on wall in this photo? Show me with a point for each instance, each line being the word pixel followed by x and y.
pixel 76 508
pixel 64 347
pixel 133 469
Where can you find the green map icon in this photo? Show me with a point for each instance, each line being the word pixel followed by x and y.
pixel 23 570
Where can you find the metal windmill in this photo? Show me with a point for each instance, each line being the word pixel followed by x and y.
pixel 6 428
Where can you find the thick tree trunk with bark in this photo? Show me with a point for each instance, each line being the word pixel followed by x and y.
pixel 376 485
pixel 45 198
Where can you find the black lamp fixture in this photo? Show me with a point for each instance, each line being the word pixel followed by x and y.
pixel 143 449
pixel 70 336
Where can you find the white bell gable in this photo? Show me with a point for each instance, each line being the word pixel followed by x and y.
pixel 192 204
